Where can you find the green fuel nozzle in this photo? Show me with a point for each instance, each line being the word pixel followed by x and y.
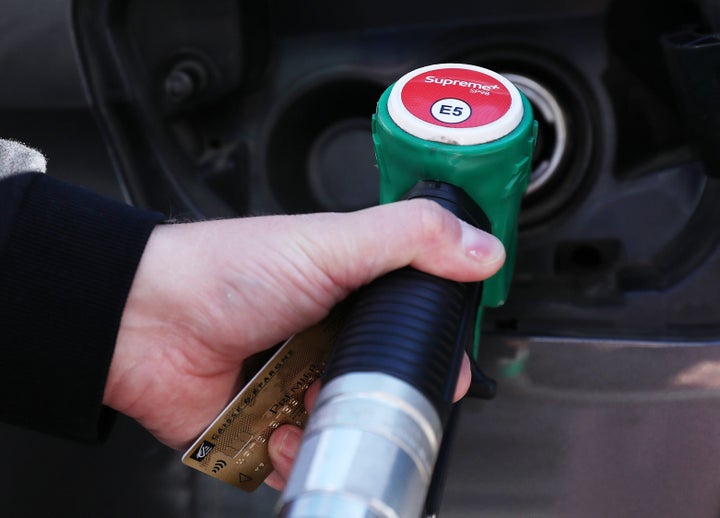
pixel 462 136
pixel 466 126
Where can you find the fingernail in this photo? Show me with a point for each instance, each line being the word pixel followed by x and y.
pixel 480 245
pixel 290 442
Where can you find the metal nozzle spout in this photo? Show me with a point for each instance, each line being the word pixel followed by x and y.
pixel 337 472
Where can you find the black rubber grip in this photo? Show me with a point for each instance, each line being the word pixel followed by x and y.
pixel 412 325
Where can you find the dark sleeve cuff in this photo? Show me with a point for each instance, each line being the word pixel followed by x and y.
pixel 66 268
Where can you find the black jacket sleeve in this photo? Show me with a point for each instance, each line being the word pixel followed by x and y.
pixel 67 261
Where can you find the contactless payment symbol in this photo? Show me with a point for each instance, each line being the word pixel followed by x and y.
pixel 202 451
pixel 451 111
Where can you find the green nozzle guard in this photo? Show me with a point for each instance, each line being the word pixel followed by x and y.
pixel 495 173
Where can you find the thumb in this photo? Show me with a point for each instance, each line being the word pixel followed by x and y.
pixel 358 247
pixel 311 262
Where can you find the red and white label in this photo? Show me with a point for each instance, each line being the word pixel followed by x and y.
pixel 456 97
pixel 455 103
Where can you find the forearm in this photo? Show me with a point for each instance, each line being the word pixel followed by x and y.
pixel 67 260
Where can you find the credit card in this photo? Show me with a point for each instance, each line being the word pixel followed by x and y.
pixel 234 446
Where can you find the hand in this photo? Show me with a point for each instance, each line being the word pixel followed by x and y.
pixel 208 295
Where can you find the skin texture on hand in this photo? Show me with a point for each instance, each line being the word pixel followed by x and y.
pixel 208 295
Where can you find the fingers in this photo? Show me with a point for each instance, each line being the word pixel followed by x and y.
pixel 284 443
pixel 311 395
pixel 276 481
pixel 464 379
pixel 419 233
pixel 282 446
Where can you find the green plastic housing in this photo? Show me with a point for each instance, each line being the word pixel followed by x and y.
pixel 494 174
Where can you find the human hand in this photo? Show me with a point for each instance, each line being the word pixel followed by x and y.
pixel 208 295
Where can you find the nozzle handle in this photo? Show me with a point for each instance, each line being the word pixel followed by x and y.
pixel 410 324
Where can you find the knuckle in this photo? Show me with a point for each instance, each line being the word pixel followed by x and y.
pixel 435 222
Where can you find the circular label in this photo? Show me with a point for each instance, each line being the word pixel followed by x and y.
pixel 455 103
pixel 464 98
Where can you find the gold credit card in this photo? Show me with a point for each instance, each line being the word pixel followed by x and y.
pixel 234 447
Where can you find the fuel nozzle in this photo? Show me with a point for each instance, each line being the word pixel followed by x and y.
pixel 462 136
pixel 466 126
